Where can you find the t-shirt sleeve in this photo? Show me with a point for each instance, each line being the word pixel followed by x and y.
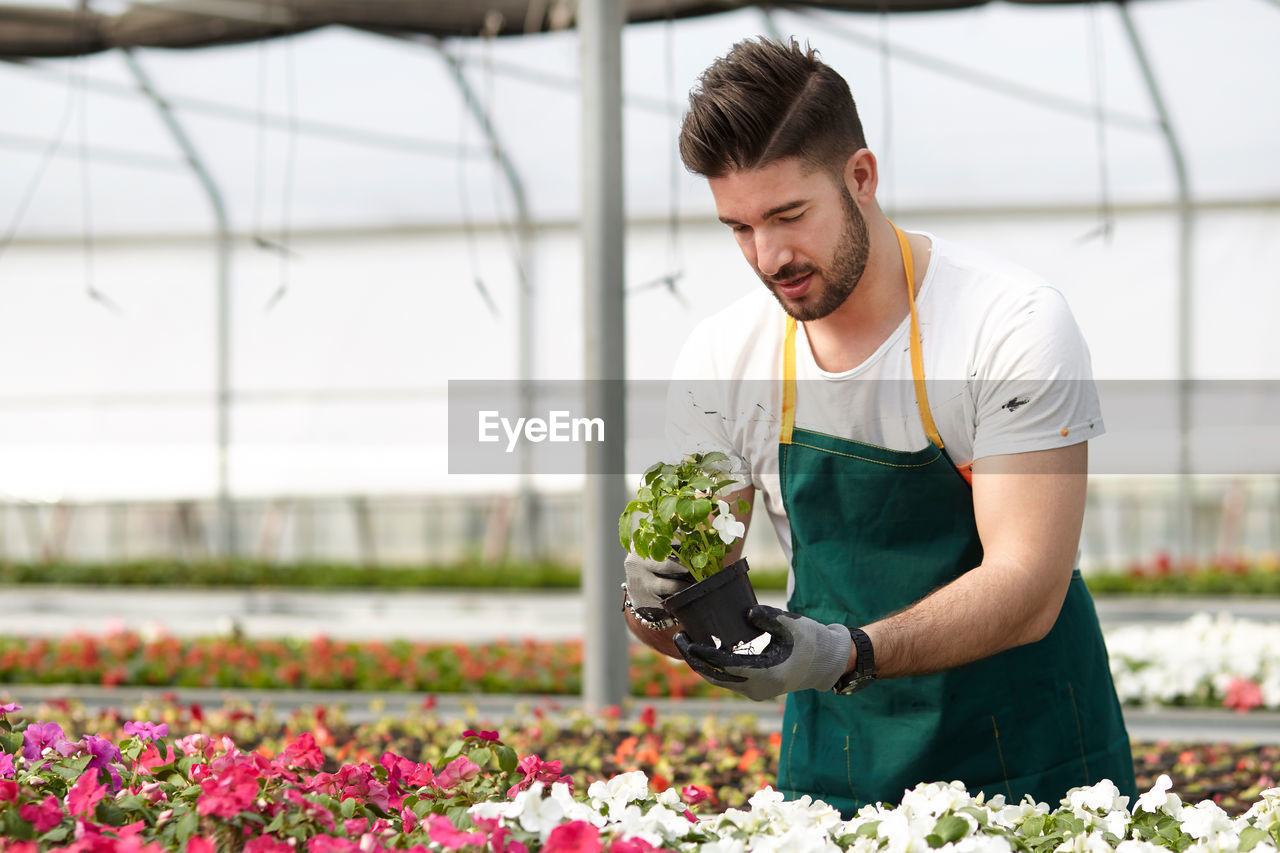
pixel 1033 384
pixel 698 406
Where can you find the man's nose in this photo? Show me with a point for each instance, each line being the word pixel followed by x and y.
pixel 772 253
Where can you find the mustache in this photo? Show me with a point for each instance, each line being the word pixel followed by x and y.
pixel 788 273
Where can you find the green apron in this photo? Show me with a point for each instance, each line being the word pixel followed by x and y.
pixel 875 530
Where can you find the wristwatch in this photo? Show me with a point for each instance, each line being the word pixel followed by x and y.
pixel 864 666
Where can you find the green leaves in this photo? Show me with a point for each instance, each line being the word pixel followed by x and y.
pixel 948 829
pixel 672 513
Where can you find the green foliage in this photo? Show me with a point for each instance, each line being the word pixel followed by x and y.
pixel 671 515
pixel 1206 580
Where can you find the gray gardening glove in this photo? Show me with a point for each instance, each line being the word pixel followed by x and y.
pixel 650 581
pixel 803 654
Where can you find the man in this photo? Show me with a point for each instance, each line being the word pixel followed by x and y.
pixel 913 418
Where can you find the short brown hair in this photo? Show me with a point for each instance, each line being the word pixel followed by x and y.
pixel 765 101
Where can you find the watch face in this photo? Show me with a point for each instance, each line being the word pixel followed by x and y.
pixel 852 684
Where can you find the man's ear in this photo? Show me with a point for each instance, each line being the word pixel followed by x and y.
pixel 861 176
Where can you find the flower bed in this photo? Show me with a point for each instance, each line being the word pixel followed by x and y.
pixel 1204 661
pixel 147 791
pixel 726 758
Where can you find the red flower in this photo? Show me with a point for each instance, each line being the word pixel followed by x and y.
pixel 8 790
pixel 575 837
pixel 448 836
pixel 45 816
pixel 1243 695
pixel 303 753
pixel 648 716
pixel 85 794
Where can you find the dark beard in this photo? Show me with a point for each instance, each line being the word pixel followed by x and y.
pixel 839 281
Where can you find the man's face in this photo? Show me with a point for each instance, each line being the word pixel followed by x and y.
pixel 800 231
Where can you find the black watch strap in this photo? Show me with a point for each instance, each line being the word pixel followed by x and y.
pixel 864 666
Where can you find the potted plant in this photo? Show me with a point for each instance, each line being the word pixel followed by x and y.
pixel 679 514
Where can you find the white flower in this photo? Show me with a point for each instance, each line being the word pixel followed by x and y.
pixel 726 525
pixel 936 798
pixel 1139 846
pixel 615 794
pixel 1159 798
pixel 982 844
pixel 1102 797
pixel 1204 819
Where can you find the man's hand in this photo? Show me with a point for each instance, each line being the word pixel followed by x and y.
pixel 803 654
pixel 650 581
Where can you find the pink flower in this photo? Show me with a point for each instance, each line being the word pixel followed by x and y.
pixel 10 707
pixel 409 774
pixel 693 794
pixel 444 833
pixel 151 758
pixel 228 794
pixel 354 826
pixel 332 844
pixel 1243 695
pixel 537 770
pixel 200 844
pixel 41 736
pixel 634 845
pixel 265 844
pixel 85 794
pixel 6 766
pixel 461 769
pixel 492 737
pixel 45 816
pixel 408 819
pixel 575 837
pixel 196 744
pixel 146 730
pixel 303 753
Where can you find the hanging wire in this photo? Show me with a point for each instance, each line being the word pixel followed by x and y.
pixel 1106 215
pixel 886 94
pixel 86 196
pixel 506 223
pixel 468 222
pixel 286 252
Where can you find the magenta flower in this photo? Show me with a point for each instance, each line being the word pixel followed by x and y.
pixel 10 707
pixel 45 816
pixel 85 795
pixel 6 766
pixel 492 737
pixel 537 770
pixel 302 753
pixel 146 731
pixel 693 794
pixel 41 736
pixel 104 753
pixel 449 837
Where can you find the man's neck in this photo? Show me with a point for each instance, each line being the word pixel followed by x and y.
pixel 852 333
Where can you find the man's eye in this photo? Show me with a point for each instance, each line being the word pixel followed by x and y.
pixel 791 218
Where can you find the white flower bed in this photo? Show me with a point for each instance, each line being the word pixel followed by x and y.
pixel 1197 661
pixel 936 816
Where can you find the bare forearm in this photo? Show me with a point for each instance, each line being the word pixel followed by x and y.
pixel 660 641
pixel 979 614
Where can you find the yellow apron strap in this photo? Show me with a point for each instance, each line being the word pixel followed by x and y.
pixel 917 360
pixel 788 382
pixel 917 355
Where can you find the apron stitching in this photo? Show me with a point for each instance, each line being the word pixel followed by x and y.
pixel 864 458
pixel 790 746
pixel 930 446
pixel 848 767
pixel 1000 752
pixel 1075 712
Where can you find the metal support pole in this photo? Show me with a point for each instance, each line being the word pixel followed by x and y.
pixel 226 529
pixel 605 676
pixel 1186 224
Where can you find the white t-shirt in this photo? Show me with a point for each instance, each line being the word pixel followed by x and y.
pixel 1006 371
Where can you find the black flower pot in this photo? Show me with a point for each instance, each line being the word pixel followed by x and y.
pixel 716 608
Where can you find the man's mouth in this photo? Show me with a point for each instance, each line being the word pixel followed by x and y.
pixel 794 288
